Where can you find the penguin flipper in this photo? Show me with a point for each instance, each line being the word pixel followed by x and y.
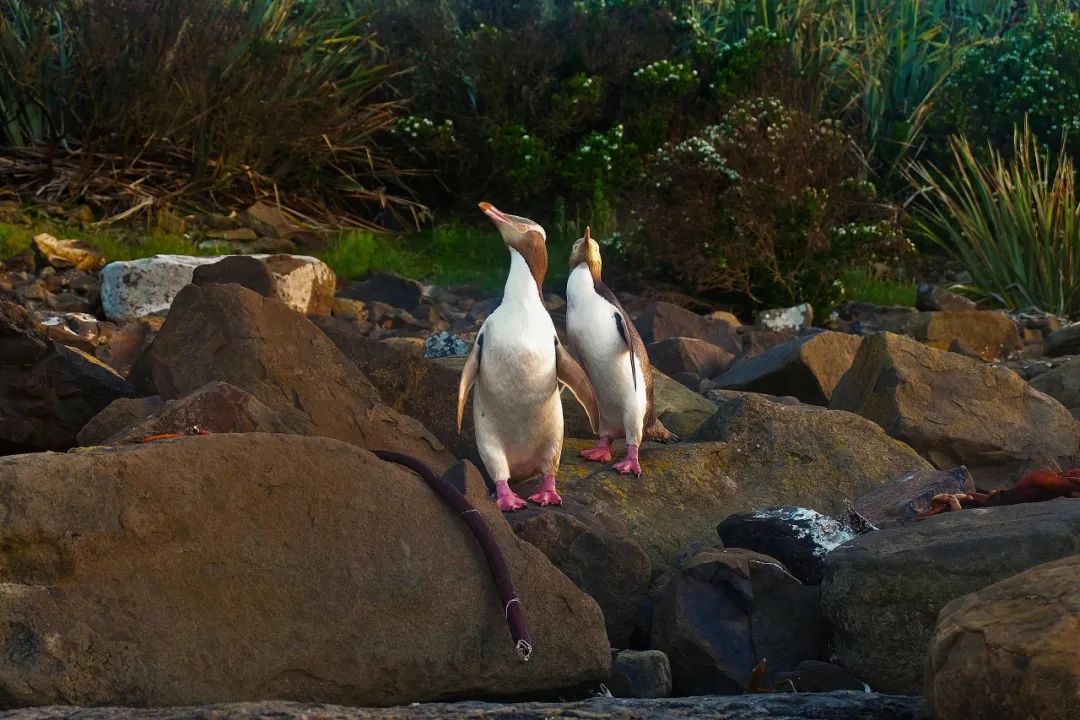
pixel 571 374
pixel 621 327
pixel 468 378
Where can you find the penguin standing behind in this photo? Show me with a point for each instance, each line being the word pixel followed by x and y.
pixel 602 337
pixel 517 365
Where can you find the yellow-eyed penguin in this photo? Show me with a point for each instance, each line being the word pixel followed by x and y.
pixel 602 337
pixel 517 365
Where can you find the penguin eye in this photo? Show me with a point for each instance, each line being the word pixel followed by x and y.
pixel 521 228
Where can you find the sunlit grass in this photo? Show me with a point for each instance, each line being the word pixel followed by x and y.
pixel 862 286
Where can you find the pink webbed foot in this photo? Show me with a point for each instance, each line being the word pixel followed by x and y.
pixel 547 495
pixel 600 453
pixel 507 499
pixel 630 465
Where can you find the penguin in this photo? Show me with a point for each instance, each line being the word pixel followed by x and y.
pixel 601 336
pixel 517 366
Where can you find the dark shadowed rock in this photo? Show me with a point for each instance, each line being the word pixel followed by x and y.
pixel 1061 383
pixel 815 676
pixel 864 318
pixel 724 611
pixel 988 335
pixel 597 555
pixel 680 355
pixel 957 411
pixel 797 537
pixel 127 342
pixel 783 706
pixel 47 391
pixel 756 342
pixel 295 567
pixel 807 368
pixel 883 590
pixel 899 501
pixel 640 674
pixel 1010 651
pixel 119 414
pixel 1065 341
pixel 387 288
pixel 229 333
pixel 243 270
pixel 661 320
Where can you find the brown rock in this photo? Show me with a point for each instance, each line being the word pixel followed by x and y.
pixel 991 335
pixel 243 270
pixel 956 411
pixel 217 407
pixel 228 333
pixel 807 368
pixel 295 567
pixel 661 320
pixel 119 414
pixel 388 288
pixel 1010 651
pixel 933 297
pixel 677 355
pixel 127 343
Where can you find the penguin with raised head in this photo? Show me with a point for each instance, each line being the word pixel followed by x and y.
pixel 602 337
pixel 518 366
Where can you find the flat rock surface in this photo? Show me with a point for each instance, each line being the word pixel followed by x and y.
pixel 823 706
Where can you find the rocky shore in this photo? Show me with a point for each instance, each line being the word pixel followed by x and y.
pixel 773 564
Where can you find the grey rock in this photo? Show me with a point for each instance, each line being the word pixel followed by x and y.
pixel 445 344
pixel 640 674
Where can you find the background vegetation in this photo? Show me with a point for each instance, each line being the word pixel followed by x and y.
pixel 748 152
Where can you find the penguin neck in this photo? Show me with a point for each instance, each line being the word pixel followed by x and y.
pixel 581 283
pixel 523 282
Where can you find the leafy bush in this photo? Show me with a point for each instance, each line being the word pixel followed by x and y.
pixel 131 103
pixel 1033 70
pixel 1014 221
pixel 767 204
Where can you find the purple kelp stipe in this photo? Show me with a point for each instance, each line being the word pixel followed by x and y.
pixel 515 615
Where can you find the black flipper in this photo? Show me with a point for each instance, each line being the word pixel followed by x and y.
pixel 626 339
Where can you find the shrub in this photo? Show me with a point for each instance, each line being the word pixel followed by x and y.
pixel 767 204
pixel 1014 221
pixel 1032 70
pixel 128 104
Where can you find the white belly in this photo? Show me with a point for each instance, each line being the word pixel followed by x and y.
pixel 516 407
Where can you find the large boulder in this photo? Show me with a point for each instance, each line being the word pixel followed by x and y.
pixel 883 590
pixel 807 368
pixel 137 288
pixel 1010 651
pixel 957 411
pixel 240 567
pixel 989 335
pixel 726 610
pixel 47 391
pixel 754 454
pixel 765 706
pixel 1061 383
pixel 258 344
pixel 119 414
pixel 661 320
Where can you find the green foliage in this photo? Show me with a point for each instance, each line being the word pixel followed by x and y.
pixel 204 99
pixel 1033 69
pixel 115 245
pixel 767 204
pixel 1013 221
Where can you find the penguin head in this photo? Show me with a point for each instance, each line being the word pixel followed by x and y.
pixel 587 251
pixel 524 236
pixel 515 230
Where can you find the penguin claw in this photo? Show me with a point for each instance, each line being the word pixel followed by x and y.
pixel 545 498
pixel 629 466
pixel 510 503
pixel 597 454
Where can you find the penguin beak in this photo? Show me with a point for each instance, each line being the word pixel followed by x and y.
pixel 493 212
